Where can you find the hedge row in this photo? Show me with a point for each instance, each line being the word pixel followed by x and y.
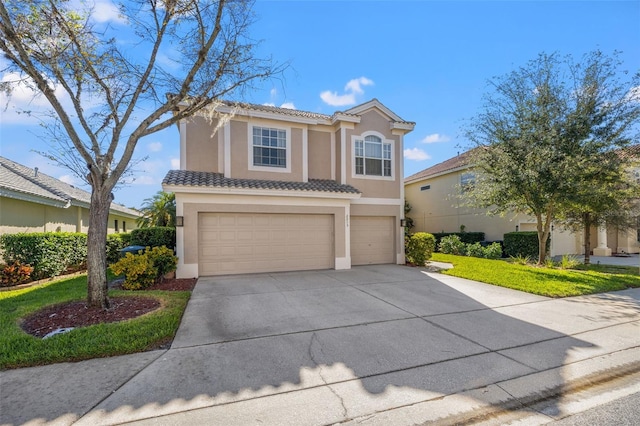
pixel 51 253
pixel 157 236
pixel 523 244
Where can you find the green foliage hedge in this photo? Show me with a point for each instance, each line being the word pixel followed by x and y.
pixel 522 244
pixel 419 248
pixel 116 242
pixel 465 237
pixel 144 269
pixel 51 253
pixel 156 236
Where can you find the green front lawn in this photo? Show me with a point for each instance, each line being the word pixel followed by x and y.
pixel 19 349
pixel 539 280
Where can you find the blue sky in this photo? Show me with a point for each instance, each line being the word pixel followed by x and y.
pixel 427 61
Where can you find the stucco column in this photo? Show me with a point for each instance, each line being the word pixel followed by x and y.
pixel 602 249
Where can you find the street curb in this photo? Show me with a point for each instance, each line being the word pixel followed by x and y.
pixel 506 397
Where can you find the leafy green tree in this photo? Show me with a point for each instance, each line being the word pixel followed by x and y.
pixel 608 196
pixel 104 97
pixel 160 210
pixel 543 132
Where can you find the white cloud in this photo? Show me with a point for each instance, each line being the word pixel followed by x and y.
pixel 273 92
pixel 435 138
pixel 288 105
pixel 355 85
pixel 175 163
pixel 416 154
pixel 25 96
pixel 105 11
pixel 352 88
pixel 155 146
pixel 68 179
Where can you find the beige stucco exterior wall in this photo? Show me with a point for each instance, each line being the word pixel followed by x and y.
pixel 202 149
pixel 338 156
pixel 23 216
pixel 191 205
pixel 372 187
pixel 438 209
pixel 319 154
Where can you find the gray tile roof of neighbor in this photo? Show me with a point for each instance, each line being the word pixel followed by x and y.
pixel 18 178
pixel 217 180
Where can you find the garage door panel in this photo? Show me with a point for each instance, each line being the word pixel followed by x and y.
pixel 372 240
pixel 232 243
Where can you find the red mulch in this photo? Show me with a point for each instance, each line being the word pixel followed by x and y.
pixel 77 314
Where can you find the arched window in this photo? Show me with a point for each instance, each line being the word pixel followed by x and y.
pixel 373 157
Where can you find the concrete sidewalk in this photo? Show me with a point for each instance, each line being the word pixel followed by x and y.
pixel 377 344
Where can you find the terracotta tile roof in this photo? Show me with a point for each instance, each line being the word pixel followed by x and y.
pixel 630 152
pixel 217 180
pixel 456 162
pixel 18 178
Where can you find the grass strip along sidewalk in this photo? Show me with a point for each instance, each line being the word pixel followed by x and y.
pixel 19 349
pixel 540 280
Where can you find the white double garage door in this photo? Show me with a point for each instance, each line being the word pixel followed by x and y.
pixel 237 243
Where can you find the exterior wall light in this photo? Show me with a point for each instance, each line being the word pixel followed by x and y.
pixel 403 223
pixel 179 221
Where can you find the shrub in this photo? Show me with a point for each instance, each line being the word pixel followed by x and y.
pixel 156 236
pixel 451 244
pixel 493 251
pixel 475 250
pixel 549 263
pixel 116 242
pixel 50 253
pixel 520 260
pixel 163 260
pixel 569 262
pixel 138 270
pixel 14 274
pixel 419 248
pixel 145 269
pixel 465 237
pixel 522 244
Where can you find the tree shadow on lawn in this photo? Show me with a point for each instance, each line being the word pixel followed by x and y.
pixel 381 337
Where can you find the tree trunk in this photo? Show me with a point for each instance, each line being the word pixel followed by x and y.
pixel 586 221
pixel 97 290
pixel 543 236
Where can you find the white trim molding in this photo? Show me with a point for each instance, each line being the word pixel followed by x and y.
pixel 251 166
pixel 379 201
pixel 362 137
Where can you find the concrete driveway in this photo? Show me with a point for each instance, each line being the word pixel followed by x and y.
pixel 337 346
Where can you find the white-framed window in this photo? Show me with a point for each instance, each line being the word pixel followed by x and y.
pixel 467 180
pixel 373 156
pixel 269 147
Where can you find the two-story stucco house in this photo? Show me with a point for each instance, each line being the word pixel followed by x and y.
pixel 434 194
pixel 276 189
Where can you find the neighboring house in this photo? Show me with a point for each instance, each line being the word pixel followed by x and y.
pixel 31 201
pixel 278 189
pixel 436 207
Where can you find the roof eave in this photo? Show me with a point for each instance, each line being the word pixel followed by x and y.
pixel 259 192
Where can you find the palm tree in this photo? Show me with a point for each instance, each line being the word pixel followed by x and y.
pixel 160 210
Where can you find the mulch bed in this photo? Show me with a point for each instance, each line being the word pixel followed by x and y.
pixel 77 314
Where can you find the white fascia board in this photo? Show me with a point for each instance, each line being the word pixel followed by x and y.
pixel 23 196
pixel 344 118
pixel 269 115
pixel 379 201
pixel 260 192
pixel 402 126
pixel 446 172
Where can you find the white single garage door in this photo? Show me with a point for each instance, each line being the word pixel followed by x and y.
pixel 239 243
pixel 372 240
